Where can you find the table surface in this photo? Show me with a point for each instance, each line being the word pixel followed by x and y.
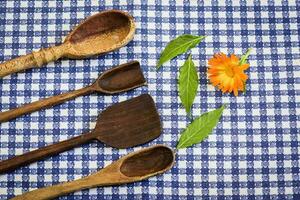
pixel 253 153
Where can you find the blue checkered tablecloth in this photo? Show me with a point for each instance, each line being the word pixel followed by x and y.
pixel 252 154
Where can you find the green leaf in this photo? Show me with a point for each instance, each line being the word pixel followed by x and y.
pixel 245 57
pixel 200 128
pixel 244 61
pixel 188 83
pixel 178 46
pixel 245 89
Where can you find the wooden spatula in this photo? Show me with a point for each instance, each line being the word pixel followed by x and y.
pixel 118 79
pixel 122 125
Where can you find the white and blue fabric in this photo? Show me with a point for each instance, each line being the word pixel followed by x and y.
pixel 253 153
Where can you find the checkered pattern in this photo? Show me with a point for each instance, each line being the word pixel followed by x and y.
pixel 252 154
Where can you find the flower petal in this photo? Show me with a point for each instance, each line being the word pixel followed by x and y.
pixel 226 74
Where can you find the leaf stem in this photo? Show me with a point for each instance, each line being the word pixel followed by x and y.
pixel 245 57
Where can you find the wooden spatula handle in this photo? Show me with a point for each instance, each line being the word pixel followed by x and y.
pixel 29 157
pixel 34 59
pixel 44 103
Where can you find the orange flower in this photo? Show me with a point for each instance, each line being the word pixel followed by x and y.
pixel 227 73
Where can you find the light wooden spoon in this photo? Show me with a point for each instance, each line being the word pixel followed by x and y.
pixel 134 167
pixel 98 34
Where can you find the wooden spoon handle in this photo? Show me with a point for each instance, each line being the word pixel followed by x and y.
pixel 43 103
pixel 55 191
pixel 51 192
pixel 29 157
pixel 34 59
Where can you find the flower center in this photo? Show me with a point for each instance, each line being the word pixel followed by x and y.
pixel 229 71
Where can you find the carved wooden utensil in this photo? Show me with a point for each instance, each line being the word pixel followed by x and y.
pixel 122 125
pixel 118 79
pixel 98 34
pixel 134 167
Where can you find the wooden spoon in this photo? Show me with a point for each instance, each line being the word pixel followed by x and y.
pixel 134 167
pixel 122 125
pixel 98 34
pixel 118 79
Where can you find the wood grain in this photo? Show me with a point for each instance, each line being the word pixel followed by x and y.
pixel 121 78
pixel 44 103
pixel 98 34
pixel 34 59
pixel 129 123
pixel 118 79
pixel 101 33
pixel 29 157
pixel 122 125
pixel 134 167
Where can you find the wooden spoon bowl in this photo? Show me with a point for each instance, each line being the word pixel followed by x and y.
pixel 99 34
pixel 121 78
pixel 148 162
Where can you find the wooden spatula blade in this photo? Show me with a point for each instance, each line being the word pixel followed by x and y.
pixel 129 123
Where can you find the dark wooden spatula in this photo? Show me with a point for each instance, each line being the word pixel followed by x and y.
pixel 118 79
pixel 122 125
